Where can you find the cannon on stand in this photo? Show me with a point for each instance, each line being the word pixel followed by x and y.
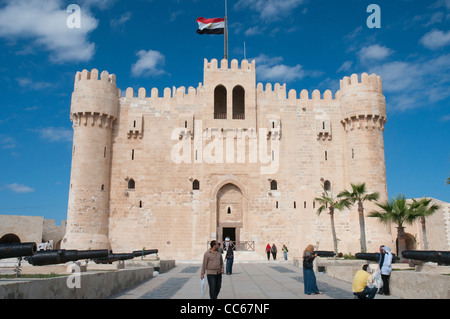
pixel 322 253
pixel 55 257
pixel 112 258
pixel 440 257
pixel 17 250
pixel 142 253
pixel 373 257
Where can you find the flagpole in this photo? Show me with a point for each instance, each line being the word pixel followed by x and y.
pixel 226 33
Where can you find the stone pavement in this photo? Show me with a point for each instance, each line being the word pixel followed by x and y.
pixel 250 280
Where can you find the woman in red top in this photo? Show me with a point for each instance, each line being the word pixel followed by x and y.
pixel 268 251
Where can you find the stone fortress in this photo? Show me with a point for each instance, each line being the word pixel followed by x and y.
pixel 228 158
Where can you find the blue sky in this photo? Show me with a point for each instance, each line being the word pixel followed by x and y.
pixel 307 44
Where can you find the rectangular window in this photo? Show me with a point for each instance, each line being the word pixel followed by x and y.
pixel 132 155
pixel 304 205
pixel 295 205
pixel 326 155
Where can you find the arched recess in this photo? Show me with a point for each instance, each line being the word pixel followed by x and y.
pixel 238 103
pixel 220 103
pixel 10 239
pixel 229 196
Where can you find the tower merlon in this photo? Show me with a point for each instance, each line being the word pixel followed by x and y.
pixel 374 81
pixel 94 94
pixel 245 65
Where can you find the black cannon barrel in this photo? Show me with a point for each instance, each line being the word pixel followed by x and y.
pixel 373 257
pixel 368 256
pixel 139 253
pixel 440 257
pixel 112 258
pixel 17 250
pixel 54 257
pixel 322 253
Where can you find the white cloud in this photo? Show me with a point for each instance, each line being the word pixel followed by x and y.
pixel 29 84
pixel 149 63
pixel 435 39
pixel 19 188
pixel 44 22
pixel 374 52
pixel 415 84
pixel 56 134
pixel 271 69
pixel 270 9
pixel 119 23
pixel 347 65
pixel 101 4
pixel 7 142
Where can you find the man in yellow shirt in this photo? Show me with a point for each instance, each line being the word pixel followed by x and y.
pixel 360 286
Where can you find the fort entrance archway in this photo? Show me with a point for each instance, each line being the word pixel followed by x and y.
pixel 229 205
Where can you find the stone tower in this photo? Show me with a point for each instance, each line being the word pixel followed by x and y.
pixel 363 109
pixel 94 109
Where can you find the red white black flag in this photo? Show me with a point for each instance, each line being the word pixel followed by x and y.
pixel 211 26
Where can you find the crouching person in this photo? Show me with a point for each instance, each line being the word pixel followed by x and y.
pixel 363 285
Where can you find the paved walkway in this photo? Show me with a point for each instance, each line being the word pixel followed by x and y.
pixel 263 280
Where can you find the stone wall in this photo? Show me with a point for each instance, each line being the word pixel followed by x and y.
pixel 93 285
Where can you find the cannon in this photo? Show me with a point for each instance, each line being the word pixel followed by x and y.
pixel 440 257
pixel 322 253
pixel 17 250
pixel 112 258
pixel 373 257
pixel 139 253
pixel 54 257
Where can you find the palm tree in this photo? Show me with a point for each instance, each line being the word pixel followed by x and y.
pixel 359 195
pixel 399 212
pixel 327 201
pixel 448 181
pixel 422 209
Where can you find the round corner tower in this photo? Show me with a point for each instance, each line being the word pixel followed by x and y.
pixel 94 108
pixel 363 116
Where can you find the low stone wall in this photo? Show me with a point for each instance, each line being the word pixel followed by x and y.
pixel 159 265
pixel 93 285
pixel 432 282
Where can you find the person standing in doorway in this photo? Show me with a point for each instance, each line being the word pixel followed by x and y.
pixel 268 251
pixel 230 259
pixel 274 252
pixel 213 267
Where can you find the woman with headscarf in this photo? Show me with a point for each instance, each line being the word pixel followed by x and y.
pixel 309 278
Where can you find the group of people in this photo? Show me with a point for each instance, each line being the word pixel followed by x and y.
pixel 273 250
pixel 367 281
pixel 46 246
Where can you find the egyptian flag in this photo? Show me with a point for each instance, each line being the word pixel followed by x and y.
pixel 211 26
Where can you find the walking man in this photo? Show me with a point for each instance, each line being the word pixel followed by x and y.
pixel 213 267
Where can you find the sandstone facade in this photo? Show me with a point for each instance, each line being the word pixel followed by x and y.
pixel 230 157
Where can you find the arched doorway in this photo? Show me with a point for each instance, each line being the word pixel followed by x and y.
pixel 230 212
pixel 410 242
pixel 10 239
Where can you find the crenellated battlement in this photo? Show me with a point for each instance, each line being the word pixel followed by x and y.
pixel 85 75
pixel 370 81
pixel 245 65
pixel 168 94
pixel 279 92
